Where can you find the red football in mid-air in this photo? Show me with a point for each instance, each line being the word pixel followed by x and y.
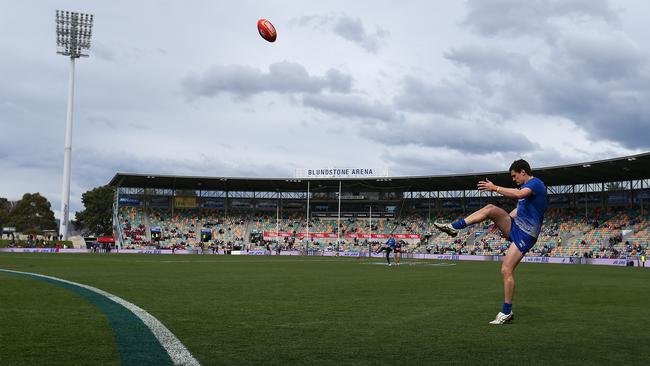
pixel 267 30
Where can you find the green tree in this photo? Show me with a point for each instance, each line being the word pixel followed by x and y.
pixel 97 216
pixel 33 213
pixel 5 211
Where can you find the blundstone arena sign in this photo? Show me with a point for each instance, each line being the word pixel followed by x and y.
pixel 341 173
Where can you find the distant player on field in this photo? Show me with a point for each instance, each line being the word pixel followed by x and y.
pixel 521 226
pixel 388 247
pixel 643 258
pixel 398 252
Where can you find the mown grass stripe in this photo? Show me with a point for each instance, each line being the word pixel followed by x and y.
pixel 141 338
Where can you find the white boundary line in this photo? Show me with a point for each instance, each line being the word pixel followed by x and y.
pixel 412 264
pixel 176 350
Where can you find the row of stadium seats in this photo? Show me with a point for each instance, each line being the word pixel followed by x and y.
pixel 603 233
pixel 133 226
pixel 297 222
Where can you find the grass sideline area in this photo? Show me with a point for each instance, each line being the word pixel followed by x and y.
pixel 328 311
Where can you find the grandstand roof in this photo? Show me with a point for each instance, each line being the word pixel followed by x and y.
pixel 627 168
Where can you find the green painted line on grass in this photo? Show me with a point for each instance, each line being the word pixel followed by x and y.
pixel 141 339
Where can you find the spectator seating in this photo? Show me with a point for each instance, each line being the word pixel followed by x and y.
pixel 598 233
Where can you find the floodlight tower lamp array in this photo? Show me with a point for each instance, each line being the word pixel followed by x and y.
pixel 73 33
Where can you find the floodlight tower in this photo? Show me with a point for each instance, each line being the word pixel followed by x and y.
pixel 73 31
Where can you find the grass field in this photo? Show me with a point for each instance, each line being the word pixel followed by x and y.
pixel 327 311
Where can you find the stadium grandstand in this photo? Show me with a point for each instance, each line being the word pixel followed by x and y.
pixel 597 209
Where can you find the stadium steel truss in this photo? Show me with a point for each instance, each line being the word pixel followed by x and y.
pixel 629 173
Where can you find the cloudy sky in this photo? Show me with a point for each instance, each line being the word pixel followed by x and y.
pixel 417 87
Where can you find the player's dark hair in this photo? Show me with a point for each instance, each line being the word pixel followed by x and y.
pixel 519 165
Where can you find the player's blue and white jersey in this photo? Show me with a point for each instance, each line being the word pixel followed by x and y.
pixel 391 243
pixel 531 210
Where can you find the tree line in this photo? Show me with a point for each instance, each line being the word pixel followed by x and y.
pixel 33 214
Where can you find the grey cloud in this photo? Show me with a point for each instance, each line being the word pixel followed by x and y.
pixel 419 161
pixel 338 81
pixel 349 106
pixel 353 30
pixel 591 74
pixel 484 59
pixel 101 119
pixel 348 28
pixel 552 157
pixel 604 115
pixel 602 57
pixel 92 168
pixel 601 86
pixel 475 137
pixel 534 17
pixel 447 98
pixel 424 161
pixel 95 168
pixel 102 51
pixel 498 83
pixel 38 158
pixel 115 52
pixel 98 119
pixel 282 77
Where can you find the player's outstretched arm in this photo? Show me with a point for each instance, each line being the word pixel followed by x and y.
pixel 487 186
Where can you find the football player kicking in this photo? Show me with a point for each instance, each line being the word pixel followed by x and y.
pixel 521 226
pixel 388 247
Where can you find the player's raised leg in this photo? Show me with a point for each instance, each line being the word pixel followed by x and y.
pixel 498 215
